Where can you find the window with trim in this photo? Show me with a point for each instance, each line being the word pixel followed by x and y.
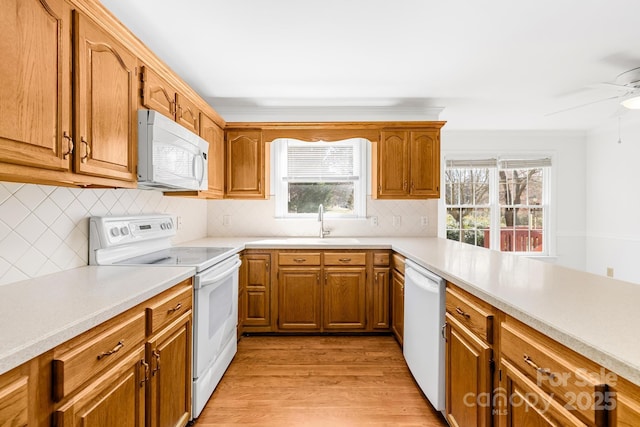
pixel 502 204
pixel 308 174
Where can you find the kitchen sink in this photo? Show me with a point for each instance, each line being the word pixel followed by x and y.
pixel 309 241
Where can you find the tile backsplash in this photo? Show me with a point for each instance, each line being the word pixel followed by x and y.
pixel 228 218
pixel 44 229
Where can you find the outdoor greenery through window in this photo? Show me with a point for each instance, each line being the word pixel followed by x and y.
pixel 314 173
pixel 499 204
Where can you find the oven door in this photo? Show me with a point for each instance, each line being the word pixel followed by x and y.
pixel 216 312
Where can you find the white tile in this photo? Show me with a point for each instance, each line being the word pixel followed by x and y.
pixel 12 187
pixel 47 268
pixel 48 189
pixel 62 197
pixel 63 226
pixel 31 262
pixel 47 212
pixel 98 209
pixel 4 266
pixel 13 275
pixel 63 256
pixel 87 198
pixel 31 228
pixel 13 212
pixel 4 194
pixel 30 195
pixel 75 211
pixel 108 199
pixel 4 230
pixel 48 243
pixel 13 247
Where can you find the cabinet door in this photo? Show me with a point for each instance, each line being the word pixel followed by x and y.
pixel 380 298
pixel 425 164
pixel 245 164
pixel 116 398
pixel 35 94
pixel 187 114
pixel 258 290
pixel 527 405
pixel 157 94
pixel 212 133
pixel 393 164
pixel 169 357
pixel 468 377
pixel 105 103
pixel 14 399
pixel 344 298
pixel 299 299
pixel 397 305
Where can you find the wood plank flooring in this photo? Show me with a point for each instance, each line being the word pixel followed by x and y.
pixel 318 381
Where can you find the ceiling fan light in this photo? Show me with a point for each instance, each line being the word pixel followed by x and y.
pixel 632 103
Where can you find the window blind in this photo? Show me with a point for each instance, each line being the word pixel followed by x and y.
pixel 472 163
pixel 321 163
pixel 524 163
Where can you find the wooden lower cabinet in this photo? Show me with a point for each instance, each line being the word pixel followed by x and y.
pixel 169 387
pixel 257 289
pixel 380 298
pixel 397 305
pixel 468 377
pixel 114 398
pixel 133 370
pixel 344 298
pixel 299 297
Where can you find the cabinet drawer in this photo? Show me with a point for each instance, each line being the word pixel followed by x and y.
pixel 380 258
pixel 167 307
pixel 345 258
pixel 567 377
pixel 470 313
pixel 398 262
pixel 299 258
pixel 89 354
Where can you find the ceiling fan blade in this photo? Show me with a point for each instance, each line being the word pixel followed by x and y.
pixel 613 86
pixel 583 105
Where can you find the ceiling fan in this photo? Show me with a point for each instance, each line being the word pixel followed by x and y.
pixel 627 84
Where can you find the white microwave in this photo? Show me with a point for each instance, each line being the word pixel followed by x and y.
pixel 170 157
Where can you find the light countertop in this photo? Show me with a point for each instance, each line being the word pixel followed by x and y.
pixel 41 313
pixel 594 315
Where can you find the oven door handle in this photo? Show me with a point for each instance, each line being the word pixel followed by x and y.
pixel 205 281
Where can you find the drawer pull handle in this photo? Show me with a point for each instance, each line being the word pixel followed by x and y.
pixel 299 259
pixel 442 331
pixel 157 368
pixel 145 377
pixel 344 259
pixel 461 312
pixel 115 349
pixel 543 371
pixel 176 308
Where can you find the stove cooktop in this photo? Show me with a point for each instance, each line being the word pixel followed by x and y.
pixel 179 256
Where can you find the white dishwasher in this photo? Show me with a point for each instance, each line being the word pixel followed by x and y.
pixel 423 344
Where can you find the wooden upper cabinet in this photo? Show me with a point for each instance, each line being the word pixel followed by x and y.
pixel 187 114
pixel 408 164
pixel 393 164
pixel 157 94
pixel 35 94
pixel 105 103
pixel 424 154
pixel 214 135
pixel 246 160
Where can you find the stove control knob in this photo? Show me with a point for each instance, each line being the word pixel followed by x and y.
pixel 163 226
pixel 169 226
pixel 115 231
pixel 124 231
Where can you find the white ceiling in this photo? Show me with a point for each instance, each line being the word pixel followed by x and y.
pixel 495 64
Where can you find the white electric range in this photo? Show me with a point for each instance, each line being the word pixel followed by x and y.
pixel 146 240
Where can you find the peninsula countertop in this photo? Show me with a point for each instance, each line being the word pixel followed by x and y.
pixel 41 313
pixel 593 315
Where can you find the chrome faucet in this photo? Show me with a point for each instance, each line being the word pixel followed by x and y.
pixel 323 232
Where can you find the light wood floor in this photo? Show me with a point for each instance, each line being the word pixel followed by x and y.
pixel 330 381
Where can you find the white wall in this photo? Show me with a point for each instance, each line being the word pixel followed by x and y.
pixel 613 198
pixel 568 195
pixel 44 229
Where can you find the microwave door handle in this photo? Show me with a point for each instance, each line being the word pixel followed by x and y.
pixel 201 167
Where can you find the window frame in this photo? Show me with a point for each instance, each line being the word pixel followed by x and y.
pixel 280 184
pixel 545 205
